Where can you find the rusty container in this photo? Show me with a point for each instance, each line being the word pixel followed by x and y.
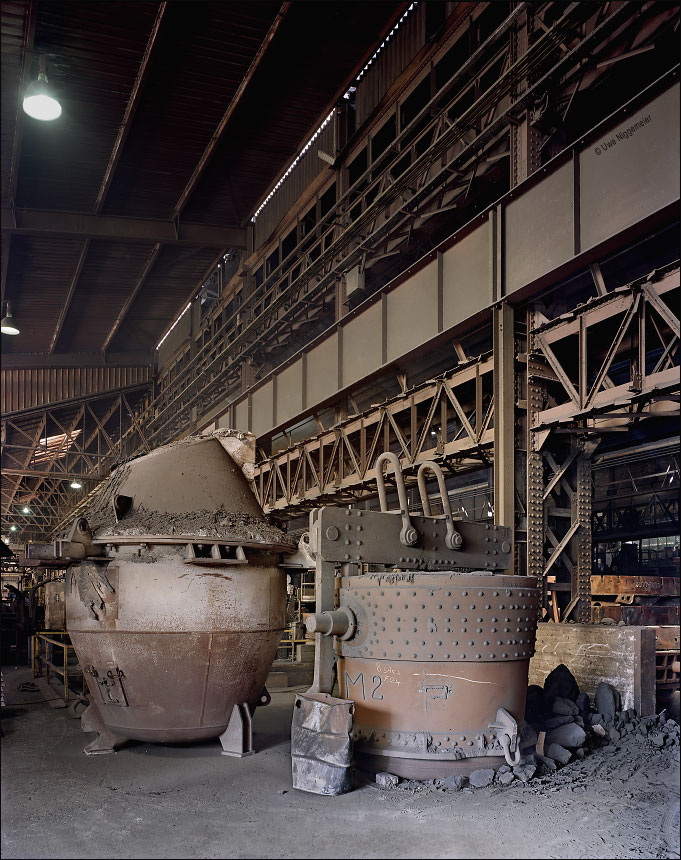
pixel 437 666
pixel 55 606
pixel 178 606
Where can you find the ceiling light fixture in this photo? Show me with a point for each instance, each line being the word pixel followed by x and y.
pixel 7 325
pixel 75 485
pixel 12 528
pixel 39 99
pixel 25 510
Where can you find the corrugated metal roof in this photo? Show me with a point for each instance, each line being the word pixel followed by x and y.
pixel 145 89
pixel 320 45
pixel 27 388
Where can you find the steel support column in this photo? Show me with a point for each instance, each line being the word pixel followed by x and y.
pixel 504 415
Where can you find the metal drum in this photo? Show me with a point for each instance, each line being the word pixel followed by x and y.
pixel 434 658
pixel 432 639
pixel 177 605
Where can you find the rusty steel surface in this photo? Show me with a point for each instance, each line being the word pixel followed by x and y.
pixel 351 536
pixel 170 645
pixel 434 649
pixel 622 584
pixel 649 614
pixel 55 606
pixel 321 743
pixel 434 657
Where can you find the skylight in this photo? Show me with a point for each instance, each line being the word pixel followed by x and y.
pixel 54 447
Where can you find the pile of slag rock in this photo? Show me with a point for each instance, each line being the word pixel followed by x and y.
pixel 563 725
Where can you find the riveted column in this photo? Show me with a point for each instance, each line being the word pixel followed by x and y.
pixel 504 416
pixel 581 578
pixel 535 397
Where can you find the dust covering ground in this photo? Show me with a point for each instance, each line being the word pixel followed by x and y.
pixel 176 801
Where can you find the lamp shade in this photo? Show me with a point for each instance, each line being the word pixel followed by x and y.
pixel 39 100
pixel 7 325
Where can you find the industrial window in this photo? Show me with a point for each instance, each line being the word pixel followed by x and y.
pixel 288 244
pixel 436 15
pixel 328 200
pixel 357 166
pixel 383 138
pixel 452 61
pixel 413 104
pixel 55 447
pixel 272 261
pixel 490 18
pixel 309 220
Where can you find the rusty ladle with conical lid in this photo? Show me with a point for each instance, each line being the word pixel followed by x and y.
pixel 175 602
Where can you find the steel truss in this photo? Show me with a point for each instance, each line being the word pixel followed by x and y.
pixel 597 369
pixel 449 420
pixel 43 450
pixel 379 214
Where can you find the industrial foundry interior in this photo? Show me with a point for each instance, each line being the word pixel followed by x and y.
pixel 340 429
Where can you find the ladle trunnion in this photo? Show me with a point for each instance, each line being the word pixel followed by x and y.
pixel 435 652
pixel 175 602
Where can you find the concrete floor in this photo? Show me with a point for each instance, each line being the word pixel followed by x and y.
pixel 162 801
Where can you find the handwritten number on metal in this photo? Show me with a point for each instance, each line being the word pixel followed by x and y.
pixel 373 692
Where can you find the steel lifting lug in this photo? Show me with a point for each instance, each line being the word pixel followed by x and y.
pixel 453 539
pixel 506 729
pixel 408 534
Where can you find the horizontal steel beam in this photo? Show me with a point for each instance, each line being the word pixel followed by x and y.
pixel 134 358
pixel 33 473
pixel 36 222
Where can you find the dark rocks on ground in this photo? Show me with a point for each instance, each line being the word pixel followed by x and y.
pixel 565 706
pixel 607 701
pixel 534 703
pixel 584 705
pixel 560 682
pixel 503 769
pixel 527 736
pixel 558 720
pixel 387 780
pixel 548 764
pixel 614 735
pixel 579 721
pixel 525 772
pixel 597 719
pixel 570 735
pixel 558 753
pixel 481 778
pixel 657 738
pixel 506 778
pixel 579 753
pixel 609 748
pixel 453 783
pixel 629 715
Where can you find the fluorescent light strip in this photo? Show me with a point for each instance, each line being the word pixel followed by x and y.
pixel 328 118
pixel 173 325
pixel 380 48
pixel 292 165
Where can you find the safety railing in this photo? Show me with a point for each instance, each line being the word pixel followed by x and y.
pixel 43 657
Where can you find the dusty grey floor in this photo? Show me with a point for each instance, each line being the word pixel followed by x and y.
pixel 160 801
